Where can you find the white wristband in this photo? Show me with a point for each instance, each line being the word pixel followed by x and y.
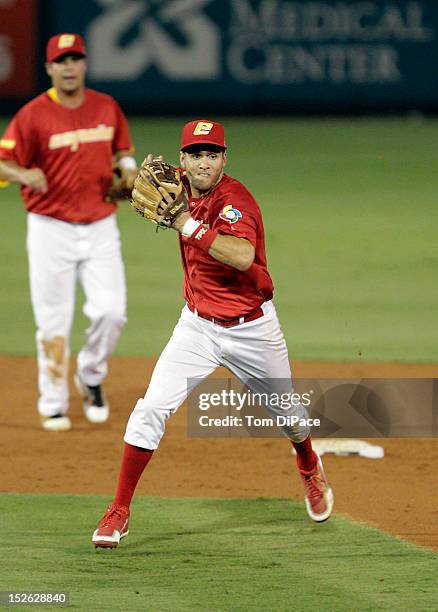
pixel 189 227
pixel 127 163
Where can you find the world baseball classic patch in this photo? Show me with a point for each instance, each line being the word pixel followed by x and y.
pixel 230 214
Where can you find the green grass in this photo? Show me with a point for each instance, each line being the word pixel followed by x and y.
pixel 211 554
pixel 351 222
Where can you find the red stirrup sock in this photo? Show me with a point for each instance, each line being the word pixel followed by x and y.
pixel 306 456
pixel 134 461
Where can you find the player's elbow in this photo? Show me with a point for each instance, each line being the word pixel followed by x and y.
pixel 246 257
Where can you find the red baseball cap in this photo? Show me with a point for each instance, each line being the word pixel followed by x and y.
pixel 64 44
pixel 203 131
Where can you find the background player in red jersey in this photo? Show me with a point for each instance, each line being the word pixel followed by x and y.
pixel 229 320
pixel 61 148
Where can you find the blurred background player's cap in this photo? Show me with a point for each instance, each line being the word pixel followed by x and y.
pixel 64 44
pixel 202 131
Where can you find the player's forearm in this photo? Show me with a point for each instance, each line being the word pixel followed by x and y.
pixel 230 250
pixel 11 172
pixel 235 252
pixel 34 178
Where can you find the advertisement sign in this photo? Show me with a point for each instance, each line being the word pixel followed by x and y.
pixel 260 54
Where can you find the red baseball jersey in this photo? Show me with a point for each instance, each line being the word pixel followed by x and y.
pixel 213 288
pixel 74 149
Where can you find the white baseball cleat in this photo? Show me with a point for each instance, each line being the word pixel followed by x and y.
pixel 96 408
pixel 318 493
pixel 57 422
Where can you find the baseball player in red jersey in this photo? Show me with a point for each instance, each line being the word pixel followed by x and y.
pixel 229 320
pixel 60 148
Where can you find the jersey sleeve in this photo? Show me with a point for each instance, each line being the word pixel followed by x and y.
pixel 238 215
pixel 122 139
pixel 17 142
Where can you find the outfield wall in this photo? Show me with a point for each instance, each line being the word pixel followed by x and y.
pixel 235 56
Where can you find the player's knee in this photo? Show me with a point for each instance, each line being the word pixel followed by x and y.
pixel 118 318
pixel 113 315
pixel 146 425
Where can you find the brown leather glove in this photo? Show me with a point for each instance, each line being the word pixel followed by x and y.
pixel 158 194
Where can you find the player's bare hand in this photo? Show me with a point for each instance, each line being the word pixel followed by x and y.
pixel 35 179
pixel 128 177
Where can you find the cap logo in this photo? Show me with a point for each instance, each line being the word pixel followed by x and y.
pixel 203 128
pixel 66 41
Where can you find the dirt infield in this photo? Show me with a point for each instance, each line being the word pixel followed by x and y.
pixel 398 493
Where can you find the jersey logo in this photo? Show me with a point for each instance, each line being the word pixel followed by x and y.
pixel 230 214
pixel 74 138
pixel 202 128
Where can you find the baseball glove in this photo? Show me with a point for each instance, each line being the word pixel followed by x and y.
pixel 158 193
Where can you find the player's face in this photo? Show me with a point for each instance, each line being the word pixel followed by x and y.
pixel 68 73
pixel 204 168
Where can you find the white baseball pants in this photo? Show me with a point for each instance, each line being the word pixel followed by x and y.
pixel 59 254
pixel 253 350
